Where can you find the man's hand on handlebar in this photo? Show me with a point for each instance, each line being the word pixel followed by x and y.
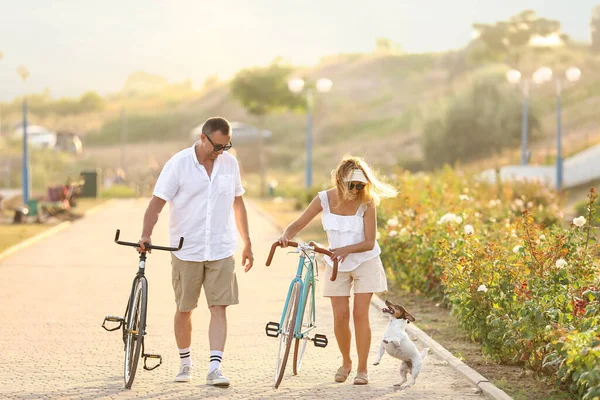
pixel 143 242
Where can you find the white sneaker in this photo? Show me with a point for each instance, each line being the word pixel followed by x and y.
pixel 216 378
pixel 185 374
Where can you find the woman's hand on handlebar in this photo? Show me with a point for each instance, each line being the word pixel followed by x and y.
pixel 283 241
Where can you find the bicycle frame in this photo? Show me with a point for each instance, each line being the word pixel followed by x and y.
pixel 140 275
pixel 309 277
pixel 140 283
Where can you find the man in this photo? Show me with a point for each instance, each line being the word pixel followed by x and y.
pixel 203 187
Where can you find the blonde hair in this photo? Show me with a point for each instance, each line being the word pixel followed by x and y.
pixel 374 191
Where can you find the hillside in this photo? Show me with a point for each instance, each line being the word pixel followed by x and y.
pixel 376 109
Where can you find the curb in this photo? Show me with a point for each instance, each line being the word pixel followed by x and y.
pixel 481 382
pixel 55 229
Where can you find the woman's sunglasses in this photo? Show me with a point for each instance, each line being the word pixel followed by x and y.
pixel 358 186
pixel 219 147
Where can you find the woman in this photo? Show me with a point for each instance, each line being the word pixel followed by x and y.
pixel 350 220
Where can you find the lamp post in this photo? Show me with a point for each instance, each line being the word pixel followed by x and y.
pixel 296 85
pixel 24 73
pixel 542 75
pixel 514 77
pixel 572 74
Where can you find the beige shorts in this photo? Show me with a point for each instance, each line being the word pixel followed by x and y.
pixel 368 277
pixel 217 277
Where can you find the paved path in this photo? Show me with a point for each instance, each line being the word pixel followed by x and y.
pixel 54 296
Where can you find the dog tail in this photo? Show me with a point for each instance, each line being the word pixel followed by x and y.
pixel 424 352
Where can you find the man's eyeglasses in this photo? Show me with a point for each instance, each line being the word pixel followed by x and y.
pixel 358 186
pixel 219 147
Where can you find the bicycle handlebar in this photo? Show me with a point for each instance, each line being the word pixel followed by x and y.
pixel 148 246
pixel 317 249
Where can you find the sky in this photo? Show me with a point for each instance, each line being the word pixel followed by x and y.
pixel 72 46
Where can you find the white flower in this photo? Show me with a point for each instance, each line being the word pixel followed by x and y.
pixel 542 237
pixel 560 263
pixel 449 217
pixel 409 213
pixel 482 288
pixel 516 249
pixel 493 220
pixel 403 232
pixel 377 235
pixel 579 221
pixel 464 197
pixel 519 203
pixel 393 233
pixel 477 215
pixel 469 229
pixel 392 222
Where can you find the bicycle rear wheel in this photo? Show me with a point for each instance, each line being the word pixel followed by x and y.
pixel 287 333
pixel 307 322
pixel 135 330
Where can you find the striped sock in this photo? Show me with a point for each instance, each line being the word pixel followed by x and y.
pixel 185 357
pixel 216 357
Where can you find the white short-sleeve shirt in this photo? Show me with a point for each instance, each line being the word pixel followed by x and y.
pixel 201 207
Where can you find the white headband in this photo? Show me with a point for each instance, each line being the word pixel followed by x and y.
pixel 356 175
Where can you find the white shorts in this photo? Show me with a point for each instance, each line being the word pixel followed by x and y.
pixel 368 277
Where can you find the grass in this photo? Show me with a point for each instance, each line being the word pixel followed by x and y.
pixel 118 191
pixel 13 234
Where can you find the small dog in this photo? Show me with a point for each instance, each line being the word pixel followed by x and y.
pixel 398 345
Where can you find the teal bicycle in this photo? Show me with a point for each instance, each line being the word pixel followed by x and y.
pixel 298 317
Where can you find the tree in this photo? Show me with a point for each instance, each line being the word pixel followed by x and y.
pixel 262 91
pixel 508 41
pixel 90 101
pixel 483 120
pixel 595 28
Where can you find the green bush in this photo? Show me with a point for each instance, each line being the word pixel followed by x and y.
pixel 524 286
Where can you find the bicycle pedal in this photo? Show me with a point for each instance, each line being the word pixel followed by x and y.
pixel 112 319
pixel 152 356
pixel 272 329
pixel 320 340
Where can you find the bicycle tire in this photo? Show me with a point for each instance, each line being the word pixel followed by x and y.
pixel 136 326
pixel 307 320
pixel 285 342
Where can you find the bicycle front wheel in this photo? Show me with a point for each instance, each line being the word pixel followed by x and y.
pixel 287 333
pixel 307 322
pixel 135 330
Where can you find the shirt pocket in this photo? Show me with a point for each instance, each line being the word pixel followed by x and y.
pixel 225 184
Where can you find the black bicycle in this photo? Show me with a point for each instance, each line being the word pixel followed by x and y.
pixel 133 323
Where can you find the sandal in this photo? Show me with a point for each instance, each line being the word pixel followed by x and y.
pixel 362 378
pixel 341 375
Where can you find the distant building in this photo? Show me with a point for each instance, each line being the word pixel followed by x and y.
pixel 38 136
